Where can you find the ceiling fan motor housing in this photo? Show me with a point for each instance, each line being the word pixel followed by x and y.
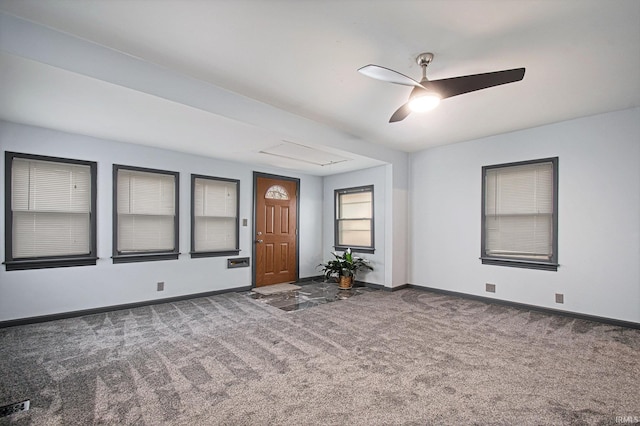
pixel 424 59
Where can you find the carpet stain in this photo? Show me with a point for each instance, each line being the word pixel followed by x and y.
pixel 449 390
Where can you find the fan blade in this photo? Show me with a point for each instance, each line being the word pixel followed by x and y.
pixel 386 74
pixel 401 113
pixel 454 86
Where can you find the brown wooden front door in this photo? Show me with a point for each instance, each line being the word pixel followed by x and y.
pixel 276 222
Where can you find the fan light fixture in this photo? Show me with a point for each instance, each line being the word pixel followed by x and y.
pixel 424 102
pixel 427 94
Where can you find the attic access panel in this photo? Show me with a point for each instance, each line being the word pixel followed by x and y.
pixel 306 154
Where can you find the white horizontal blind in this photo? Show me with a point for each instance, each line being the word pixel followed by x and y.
pixel 51 207
pixel 215 215
pixel 519 211
pixel 355 219
pixel 146 211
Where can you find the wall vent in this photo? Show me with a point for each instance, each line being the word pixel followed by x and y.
pixel 238 262
pixel 490 288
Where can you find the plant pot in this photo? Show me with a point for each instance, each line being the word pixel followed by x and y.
pixel 345 282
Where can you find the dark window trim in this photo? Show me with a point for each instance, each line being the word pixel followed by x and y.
pixel 145 256
pixel 357 249
pixel 552 264
pixel 520 263
pixel 52 262
pixel 89 259
pixel 200 254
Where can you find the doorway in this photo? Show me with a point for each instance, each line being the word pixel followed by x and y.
pixel 275 213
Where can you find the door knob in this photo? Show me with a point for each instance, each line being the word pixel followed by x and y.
pixel 258 241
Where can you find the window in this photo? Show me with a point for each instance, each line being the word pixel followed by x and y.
pixel 214 216
pixel 145 214
pixel 520 214
pixel 354 219
pixel 50 206
pixel 276 192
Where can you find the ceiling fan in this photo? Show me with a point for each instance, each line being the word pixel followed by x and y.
pixel 427 94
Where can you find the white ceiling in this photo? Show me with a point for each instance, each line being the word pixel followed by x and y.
pixel 262 72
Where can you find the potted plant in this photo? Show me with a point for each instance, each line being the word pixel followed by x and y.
pixel 344 268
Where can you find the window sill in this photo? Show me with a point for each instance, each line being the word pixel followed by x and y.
pixel 355 249
pixel 200 254
pixel 520 263
pixel 65 262
pixel 144 257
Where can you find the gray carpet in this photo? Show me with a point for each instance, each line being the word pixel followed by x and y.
pixel 402 358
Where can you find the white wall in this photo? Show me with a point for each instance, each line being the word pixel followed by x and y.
pixel 376 176
pixel 599 216
pixel 599 222
pixel 398 223
pixel 48 291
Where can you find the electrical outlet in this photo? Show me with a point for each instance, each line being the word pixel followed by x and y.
pixel 160 285
pixel 6 410
pixel 559 298
pixel 490 288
